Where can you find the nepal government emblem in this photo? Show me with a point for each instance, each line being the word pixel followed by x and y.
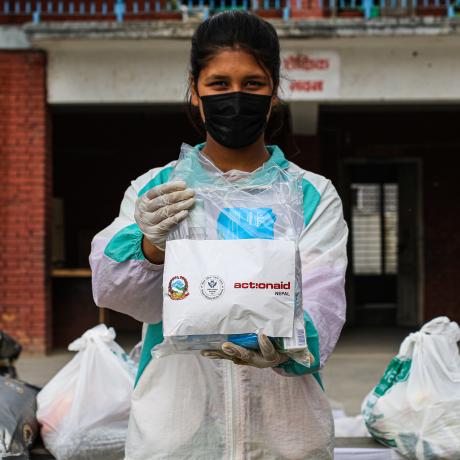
pixel 178 288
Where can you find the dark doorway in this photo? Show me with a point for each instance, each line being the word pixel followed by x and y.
pixel 97 152
pixel 383 215
pixel 415 145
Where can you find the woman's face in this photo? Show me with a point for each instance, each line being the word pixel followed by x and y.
pixel 230 71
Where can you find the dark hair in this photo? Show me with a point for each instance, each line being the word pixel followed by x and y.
pixel 236 29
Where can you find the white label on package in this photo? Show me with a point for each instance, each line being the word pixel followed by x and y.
pixel 229 287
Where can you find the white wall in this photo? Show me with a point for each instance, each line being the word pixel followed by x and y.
pixel 117 71
pixel 13 38
pixel 394 69
pixel 372 69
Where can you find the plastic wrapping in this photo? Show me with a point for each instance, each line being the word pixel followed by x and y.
pixel 415 407
pixel 18 425
pixel 84 409
pixel 9 353
pixel 238 248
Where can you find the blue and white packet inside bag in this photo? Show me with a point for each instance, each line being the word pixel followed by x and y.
pixel 245 223
pixel 232 268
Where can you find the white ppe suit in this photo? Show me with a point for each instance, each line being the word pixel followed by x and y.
pixel 192 407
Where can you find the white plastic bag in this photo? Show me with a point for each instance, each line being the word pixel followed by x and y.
pixel 232 267
pixel 84 409
pixel 415 408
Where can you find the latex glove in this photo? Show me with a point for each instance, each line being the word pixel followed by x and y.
pixel 268 356
pixel 161 208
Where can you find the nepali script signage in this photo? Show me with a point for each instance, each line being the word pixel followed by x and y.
pixel 309 75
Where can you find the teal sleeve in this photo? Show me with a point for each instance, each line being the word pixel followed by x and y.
pixel 153 337
pixel 294 368
pixel 126 245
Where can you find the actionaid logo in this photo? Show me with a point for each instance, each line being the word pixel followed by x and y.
pixel 251 285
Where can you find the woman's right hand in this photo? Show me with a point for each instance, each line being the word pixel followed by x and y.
pixel 161 208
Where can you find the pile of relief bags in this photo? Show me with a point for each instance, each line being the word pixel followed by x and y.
pixel 83 411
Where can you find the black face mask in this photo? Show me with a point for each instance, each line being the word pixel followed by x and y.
pixel 236 120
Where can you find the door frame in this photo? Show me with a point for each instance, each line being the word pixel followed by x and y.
pixel 344 182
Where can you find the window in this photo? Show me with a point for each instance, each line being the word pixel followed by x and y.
pixel 375 228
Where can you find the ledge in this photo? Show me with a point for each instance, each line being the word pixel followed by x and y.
pixel 71 273
pixel 314 28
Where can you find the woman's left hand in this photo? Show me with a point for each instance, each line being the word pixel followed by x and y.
pixel 268 356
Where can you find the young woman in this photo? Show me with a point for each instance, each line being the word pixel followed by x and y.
pixel 241 404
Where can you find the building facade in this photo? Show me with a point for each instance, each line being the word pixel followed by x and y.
pixel 92 96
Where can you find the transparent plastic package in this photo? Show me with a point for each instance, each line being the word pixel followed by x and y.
pixel 232 267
